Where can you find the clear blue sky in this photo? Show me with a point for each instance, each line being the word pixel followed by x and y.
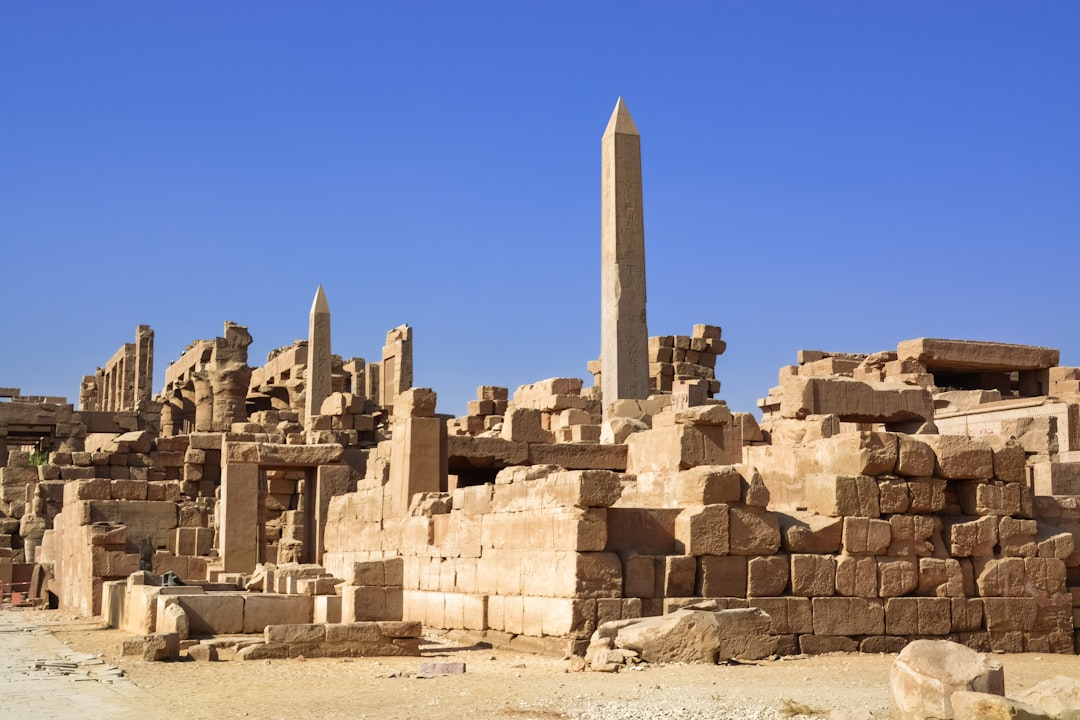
pixel 827 175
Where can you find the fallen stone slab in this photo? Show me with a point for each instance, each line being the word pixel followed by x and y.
pixel 430 670
pixel 926 673
pixel 1058 696
pixel 968 705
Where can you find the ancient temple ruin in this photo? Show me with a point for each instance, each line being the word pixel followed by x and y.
pixel 931 490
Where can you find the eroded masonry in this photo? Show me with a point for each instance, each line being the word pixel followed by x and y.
pixel 323 505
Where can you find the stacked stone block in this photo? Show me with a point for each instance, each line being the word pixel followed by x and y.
pixel 484 414
pixel 680 357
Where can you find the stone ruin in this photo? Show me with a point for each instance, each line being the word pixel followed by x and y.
pixel 324 506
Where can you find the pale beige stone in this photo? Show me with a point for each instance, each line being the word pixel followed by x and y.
pixel 960 457
pixel 624 335
pixel 926 673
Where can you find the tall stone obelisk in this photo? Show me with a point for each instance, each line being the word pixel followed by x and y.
pixel 317 385
pixel 624 336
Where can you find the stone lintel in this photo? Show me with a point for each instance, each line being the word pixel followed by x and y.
pixel 975 356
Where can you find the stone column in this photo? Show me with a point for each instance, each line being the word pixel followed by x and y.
pixel 624 336
pixel 204 402
pixel 238 530
pixel 230 377
pixel 144 365
pixel 317 384
pixel 416 450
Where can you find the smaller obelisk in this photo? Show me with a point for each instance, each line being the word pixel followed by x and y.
pixel 624 336
pixel 318 357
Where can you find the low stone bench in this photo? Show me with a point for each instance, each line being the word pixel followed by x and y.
pixel 359 639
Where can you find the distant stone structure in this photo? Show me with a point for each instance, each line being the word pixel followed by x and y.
pixel 926 491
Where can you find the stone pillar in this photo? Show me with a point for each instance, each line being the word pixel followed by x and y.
pixel 317 384
pixel 204 402
pixel 416 450
pixel 330 481
pixel 238 530
pixel 624 336
pixel 373 382
pixel 397 365
pixel 355 369
pixel 230 377
pixel 144 365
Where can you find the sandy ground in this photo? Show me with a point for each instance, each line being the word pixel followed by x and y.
pixel 502 684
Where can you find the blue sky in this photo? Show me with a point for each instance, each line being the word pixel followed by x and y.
pixel 828 175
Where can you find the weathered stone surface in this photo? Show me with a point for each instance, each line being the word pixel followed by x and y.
pixel 916 458
pixel 700 636
pixel 975 356
pixel 1058 696
pixel 810 532
pixel 926 673
pixel 959 457
pixel 857 453
pixel 853 400
pixel 161 646
pixel 752 531
pixel 703 530
pixel 842 495
pixel 848 616
pixel 708 485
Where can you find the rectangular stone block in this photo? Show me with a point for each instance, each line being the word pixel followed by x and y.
pixel 866 536
pixel 1005 614
pixel 703 530
pixel 848 616
pixel 216 614
pixel 789 615
pixel 721 576
pixel 265 609
pixel 842 495
pixel 768 576
pixel 856 576
pixel 812 575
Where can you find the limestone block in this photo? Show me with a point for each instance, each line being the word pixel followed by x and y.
pixel 866 536
pixel 703 530
pixel 1046 574
pixel 916 458
pixel 1016 537
pixel 566 617
pixel 415 402
pixel 261 610
pixel 854 401
pixel 1009 459
pixel 959 457
pixel 161 647
pixel 897 576
pixel 788 615
pixel 893 495
pixel 203 653
pixel 1055 478
pixel 1060 546
pixel 857 453
pixel 678 447
pixel 752 531
pixel 975 538
pixel 848 616
pixel 581 488
pixel 856 576
pixel 940 577
pixel 97 489
pixel 722 576
pixel 926 673
pixel 976 356
pixel 113 563
pixel 171 618
pixel 768 576
pixel 1005 614
pixel 927 495
pixel 918 616
pixel 1058 696
pixel 810 533
pixel 708 485
pixel 822 644
pixel 978 498
pixel 525 425
pixel 842 495
pixel 639 576
pixel 216 614
pixel 812 575
pixel 967 614
pixel 675 576
pixel 326 609
pixel 699 636
pixel 911 535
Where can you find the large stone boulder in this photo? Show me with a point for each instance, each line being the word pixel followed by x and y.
pixel 698 634
pixel 926 673
pixel 1058 697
